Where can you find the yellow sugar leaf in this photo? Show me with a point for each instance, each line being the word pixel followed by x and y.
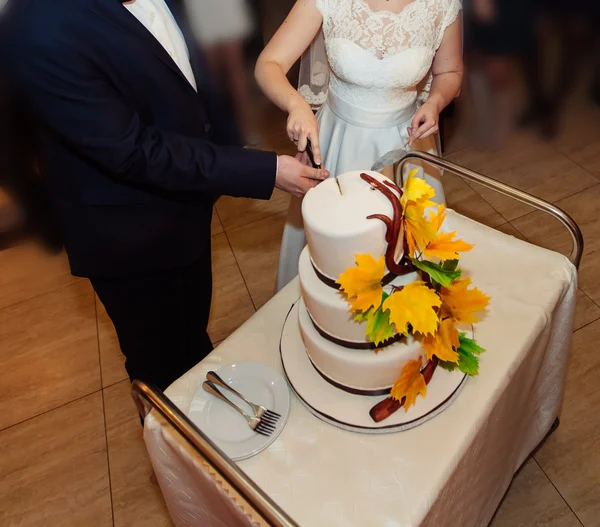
pixel 444 343
pixel 414 304
pixel 417 191
pixel 362 284
pixel 419 230
pixel 410 384
pixel 437 218
pixel 462 303
pixel 444 247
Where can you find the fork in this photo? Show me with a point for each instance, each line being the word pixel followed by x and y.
pixel 261 412
pixel 257 424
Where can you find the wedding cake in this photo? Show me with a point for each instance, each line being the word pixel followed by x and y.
pixel 375 315
pixel 337 229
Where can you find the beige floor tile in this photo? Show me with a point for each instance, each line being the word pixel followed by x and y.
pixel 54 470
pixel 237 212
pixel 586 311
pixel 570 456
pixel 532 501
pixel 112 361
pixel 523 148
pixel 588 156
pixel 580 136
pixel 137 499
pixel 583 207
pixel 544 231
pixel 26 271
pixel 544 173
pixel 49 352
pixel 231 305
pixel 511 230
pixel 256 248
pixel 216 227
pixel 464 200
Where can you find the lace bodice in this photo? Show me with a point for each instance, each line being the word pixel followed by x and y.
pixel 379 59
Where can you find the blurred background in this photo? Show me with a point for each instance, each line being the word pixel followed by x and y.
pixel 531 66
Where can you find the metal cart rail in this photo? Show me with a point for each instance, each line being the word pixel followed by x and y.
pixel 149 398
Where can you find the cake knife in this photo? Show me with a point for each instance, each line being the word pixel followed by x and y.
pixel 311 156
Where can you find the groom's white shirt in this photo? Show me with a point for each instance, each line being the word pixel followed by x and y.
pixel 158 19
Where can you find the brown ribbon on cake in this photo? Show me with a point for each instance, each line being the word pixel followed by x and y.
pixel 355 345
pixel 387 279
pixel 353 391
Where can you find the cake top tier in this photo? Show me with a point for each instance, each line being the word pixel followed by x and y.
pixel 336 224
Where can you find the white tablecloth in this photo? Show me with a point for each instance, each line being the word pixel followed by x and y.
pixel 452 470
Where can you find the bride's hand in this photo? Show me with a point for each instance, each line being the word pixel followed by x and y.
pixel 302 125
pixel 425 122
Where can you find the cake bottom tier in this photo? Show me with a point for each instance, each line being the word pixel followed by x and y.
pixel 358 371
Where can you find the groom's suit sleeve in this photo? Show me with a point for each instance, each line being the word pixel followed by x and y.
pixel 79 104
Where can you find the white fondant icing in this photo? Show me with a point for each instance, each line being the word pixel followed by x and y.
pixel 329 308
pixel 358 369
pixel 336 225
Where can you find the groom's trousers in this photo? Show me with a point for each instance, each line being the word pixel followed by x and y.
pixel 161 319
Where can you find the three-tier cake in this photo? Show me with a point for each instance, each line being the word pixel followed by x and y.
pixel 340 220
pixel 384 302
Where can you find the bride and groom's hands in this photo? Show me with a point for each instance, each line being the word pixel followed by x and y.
pixel 295 177
pixel 301 126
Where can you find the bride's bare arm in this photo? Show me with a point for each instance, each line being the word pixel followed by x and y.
pixel 287 45
pixel 447 81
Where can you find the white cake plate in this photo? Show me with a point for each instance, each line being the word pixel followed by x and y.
pixel 349 411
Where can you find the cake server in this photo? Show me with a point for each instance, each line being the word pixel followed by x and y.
pixel 391 158
pixel 258 425
pixel 259 411
pixel 391 161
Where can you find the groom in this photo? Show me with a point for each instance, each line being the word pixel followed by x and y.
pixel 133 158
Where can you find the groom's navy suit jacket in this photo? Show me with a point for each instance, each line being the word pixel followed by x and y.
pixel 132 155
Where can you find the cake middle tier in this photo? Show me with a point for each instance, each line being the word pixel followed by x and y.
pixel 360 371
pixel 329 308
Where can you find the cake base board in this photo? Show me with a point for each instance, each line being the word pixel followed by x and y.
pixel 349 411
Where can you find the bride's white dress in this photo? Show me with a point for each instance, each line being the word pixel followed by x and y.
pixel 380 65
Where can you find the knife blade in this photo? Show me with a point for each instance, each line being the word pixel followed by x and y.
pixel 311 156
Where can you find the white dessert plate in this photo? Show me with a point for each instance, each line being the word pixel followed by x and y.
pixel 349 411
pixel 261 384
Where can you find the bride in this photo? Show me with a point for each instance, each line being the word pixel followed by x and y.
pixel 395 65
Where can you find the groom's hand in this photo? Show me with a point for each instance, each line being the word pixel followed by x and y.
pixel 296 178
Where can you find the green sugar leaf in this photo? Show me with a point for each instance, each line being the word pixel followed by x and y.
pixel 437 273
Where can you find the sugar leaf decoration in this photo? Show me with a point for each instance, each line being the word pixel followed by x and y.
pixel 410 384
pixel 362 284
pixel 415 305
pixel 463 303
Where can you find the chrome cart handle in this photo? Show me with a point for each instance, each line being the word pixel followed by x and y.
pixel 505 190
pixel 148 397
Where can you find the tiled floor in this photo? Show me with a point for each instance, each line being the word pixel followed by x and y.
pixel 71 451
